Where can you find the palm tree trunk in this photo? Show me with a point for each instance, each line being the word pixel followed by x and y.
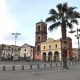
pixel 63 30
pixel 64 46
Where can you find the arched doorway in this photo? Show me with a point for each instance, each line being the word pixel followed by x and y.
pixel 56 56
pixel 44 56
pixel 50 56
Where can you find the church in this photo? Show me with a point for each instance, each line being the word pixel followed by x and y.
pixel 48 49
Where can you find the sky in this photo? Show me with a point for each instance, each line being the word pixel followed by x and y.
pixel 21 16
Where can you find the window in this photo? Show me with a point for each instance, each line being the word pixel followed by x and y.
pixel 44 37
pixel 12 48
pixel 49 46
pixel 56 46
pixel 24 49
pixel 38 28
pixel 24 55
pixel 43 28
pixel 38 38
pixel 38 54
pixel 44 47
pixel 4 53
pixel 38 48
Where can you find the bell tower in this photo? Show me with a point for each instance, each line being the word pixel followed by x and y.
pixel 40 36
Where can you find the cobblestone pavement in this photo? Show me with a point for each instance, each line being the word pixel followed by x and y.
pixel 43 74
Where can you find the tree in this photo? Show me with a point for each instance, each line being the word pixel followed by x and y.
pixel 63 17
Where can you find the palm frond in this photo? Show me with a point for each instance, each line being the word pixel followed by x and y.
pixel 50 19
pixel 70 25
pixel 70 13
pixel 52 11
pixel 65 16
pixel 64 7
pixel 77 14
pixel 59 7
pixel 71 8
pixel 54 26
pixel 74 21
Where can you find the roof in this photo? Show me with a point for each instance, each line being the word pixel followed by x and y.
pixel 41 22
pixel 49 40
pixel 26 45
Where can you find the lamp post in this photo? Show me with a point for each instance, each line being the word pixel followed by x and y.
pixel 78 37
pixel 15 36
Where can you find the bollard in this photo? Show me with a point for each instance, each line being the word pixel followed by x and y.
pixel 60 64
pixel 30 66
pixel 22 67
pixel 44 65
pixel 56 65
pixel 4 68
pixel 78 61
pixel 38 66
pixel 75 62
pixel 50 65
pixel 72 62
pixel 13 68
pixel 69 63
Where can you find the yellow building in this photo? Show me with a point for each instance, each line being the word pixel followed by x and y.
pixel 51 50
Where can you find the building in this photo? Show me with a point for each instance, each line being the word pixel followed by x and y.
pixel 75 53
pixel 41 39
pixel 9 51
pixel 51 50
pixel 40 36
pixel 27 51
pixel 69 47
pixel 15 52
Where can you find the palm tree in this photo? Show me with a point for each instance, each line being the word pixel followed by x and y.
pixel 63 17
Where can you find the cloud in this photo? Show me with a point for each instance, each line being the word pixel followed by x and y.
pixel 6 23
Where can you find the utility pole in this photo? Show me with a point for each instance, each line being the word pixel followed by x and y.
pixel 15 36
pixel 78 36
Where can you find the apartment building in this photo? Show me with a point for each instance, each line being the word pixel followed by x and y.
pixel 9 51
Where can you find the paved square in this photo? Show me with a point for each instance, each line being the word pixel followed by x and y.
pixel 43 74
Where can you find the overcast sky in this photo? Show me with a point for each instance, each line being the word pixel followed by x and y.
pixel 21 16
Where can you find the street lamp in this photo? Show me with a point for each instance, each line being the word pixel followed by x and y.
pixel 15 36
pixel 78 37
